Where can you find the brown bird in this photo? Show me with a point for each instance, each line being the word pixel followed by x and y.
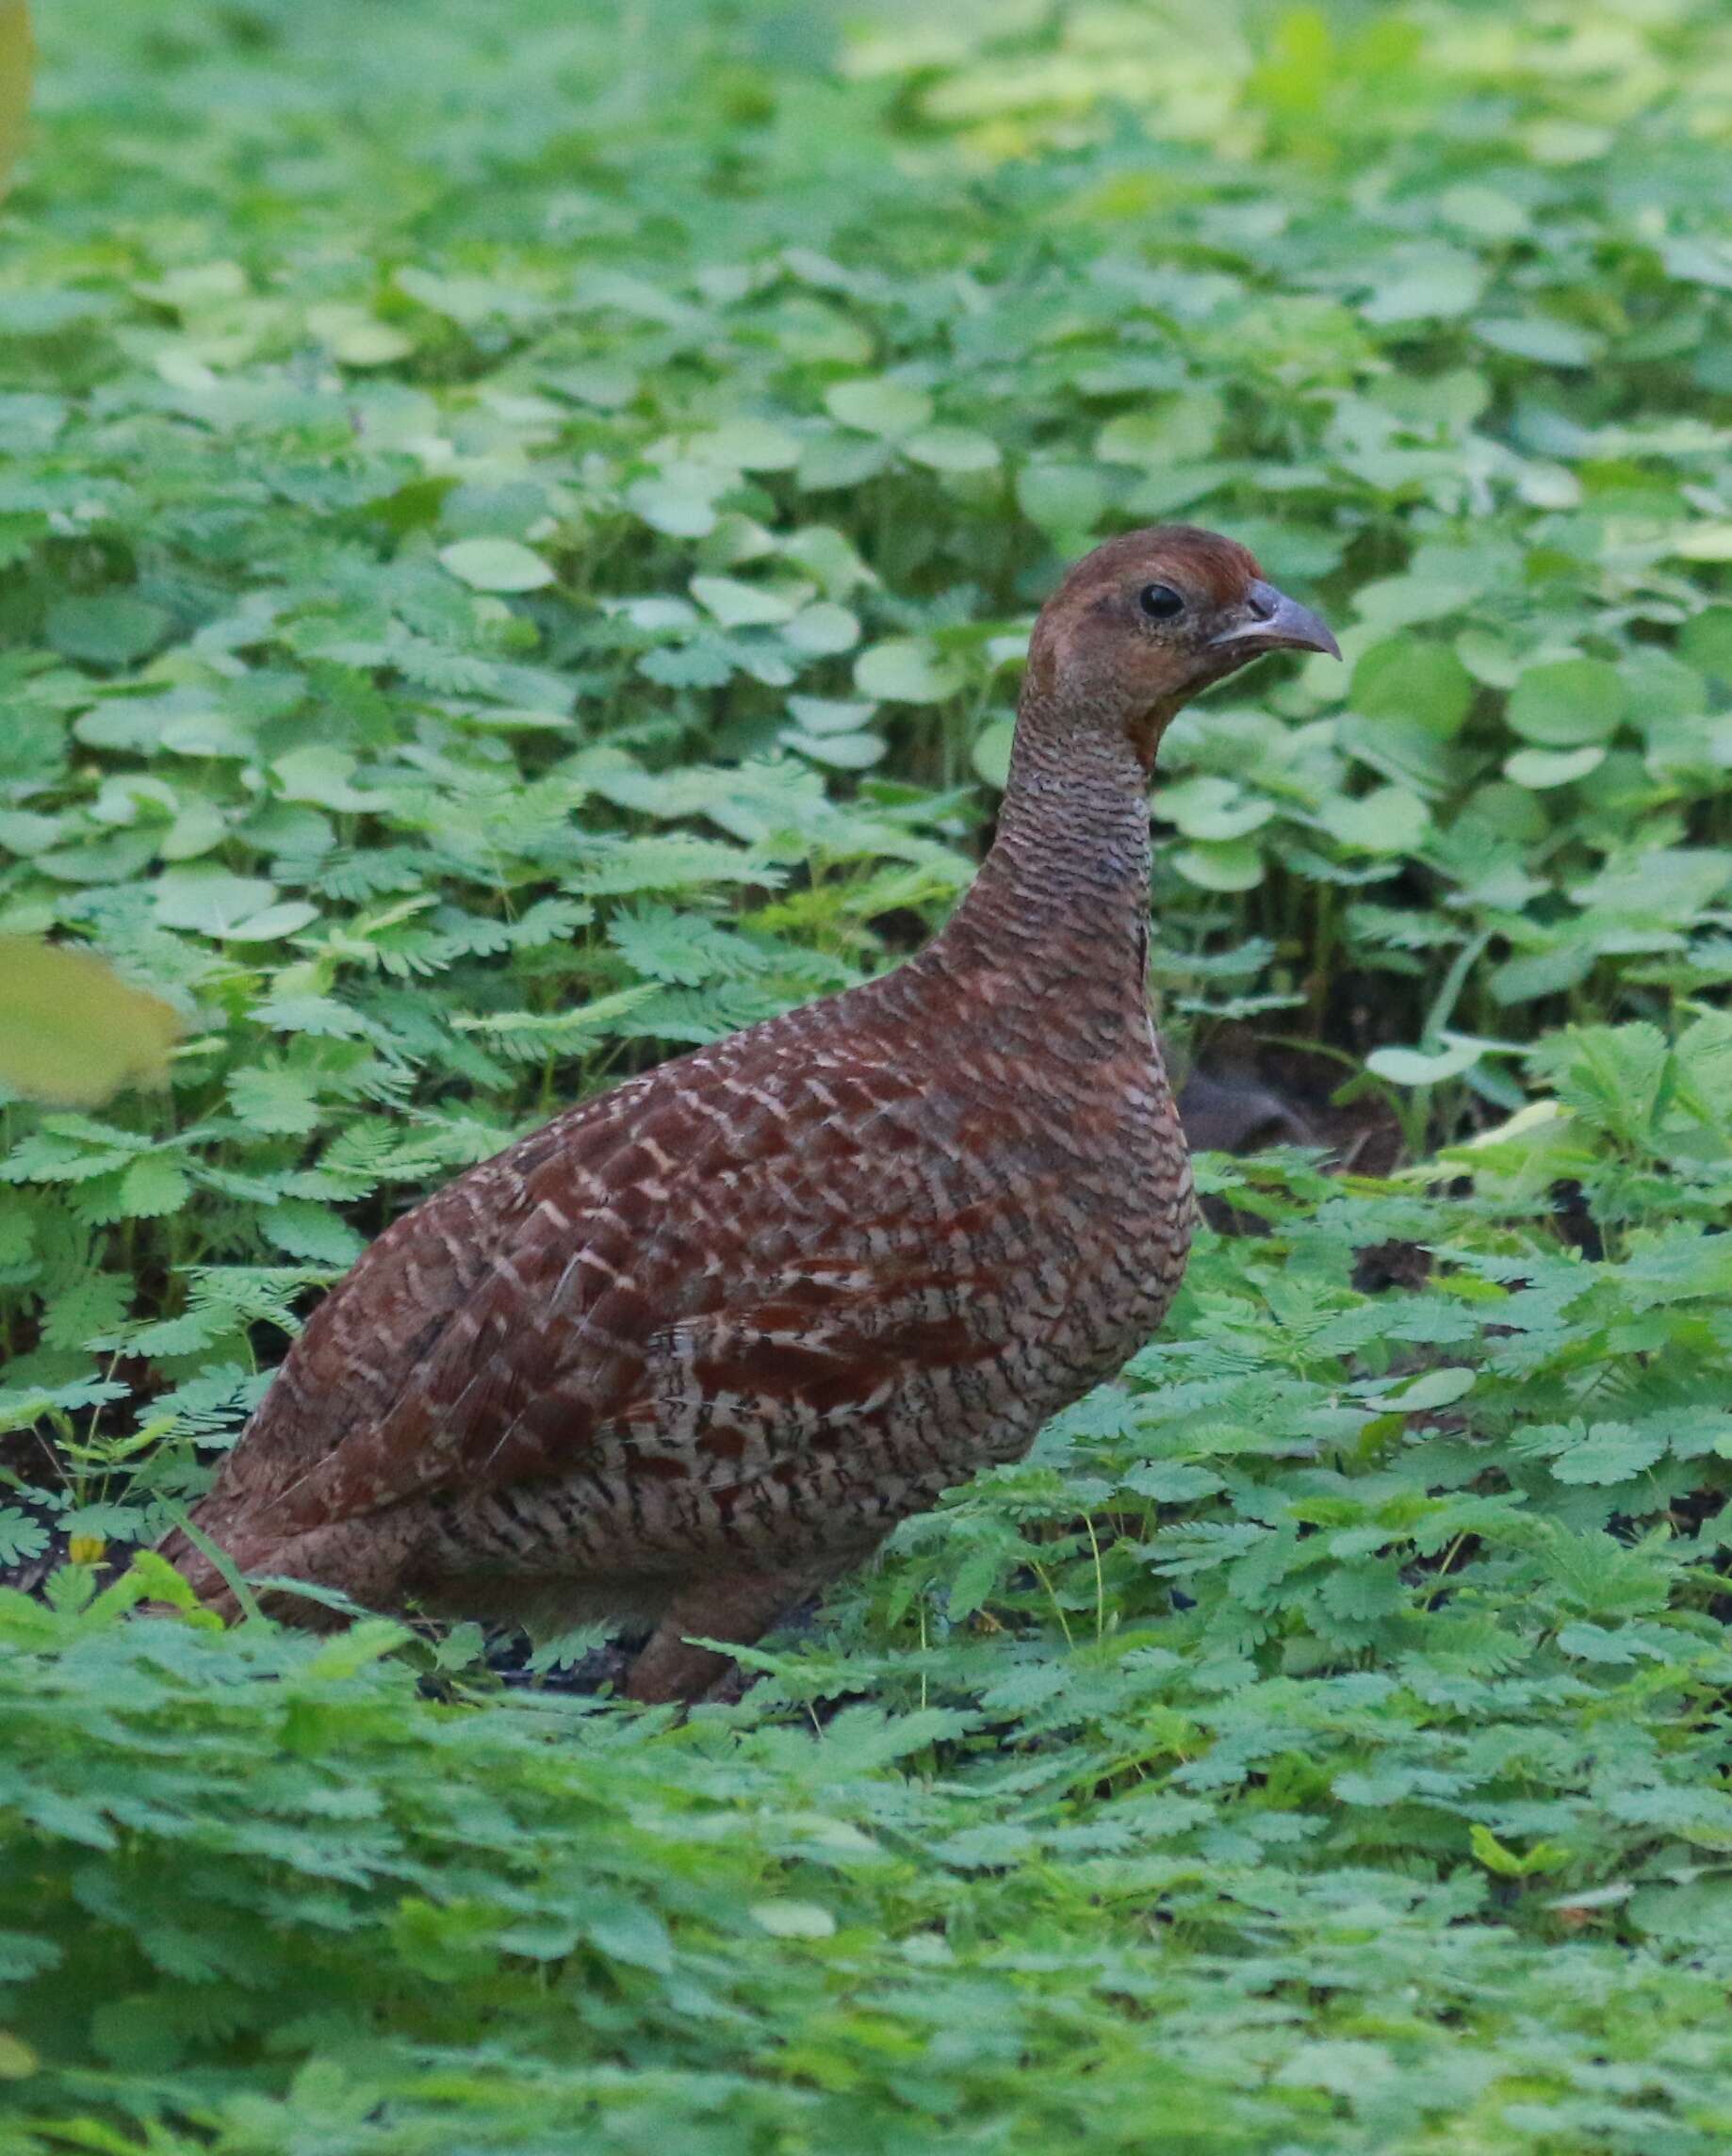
pixel 694 1347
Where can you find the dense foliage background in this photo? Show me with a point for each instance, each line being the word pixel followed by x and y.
pixel 517 532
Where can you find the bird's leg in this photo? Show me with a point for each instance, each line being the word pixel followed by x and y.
pixel 736 1606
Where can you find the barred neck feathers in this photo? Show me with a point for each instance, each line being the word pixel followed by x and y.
pixel 1062 899
pixel 1057 926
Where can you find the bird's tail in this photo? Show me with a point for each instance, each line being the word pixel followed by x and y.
pixel 347 1564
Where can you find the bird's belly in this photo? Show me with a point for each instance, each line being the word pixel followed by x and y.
pixel 654 1499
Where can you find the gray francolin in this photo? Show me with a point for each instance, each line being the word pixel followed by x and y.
pixel 695 1347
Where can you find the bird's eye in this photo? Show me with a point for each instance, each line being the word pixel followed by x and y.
pixel 1160 602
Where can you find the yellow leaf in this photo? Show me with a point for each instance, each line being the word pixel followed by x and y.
pixel 18 2061
pixel 72 1033
pixel 17 51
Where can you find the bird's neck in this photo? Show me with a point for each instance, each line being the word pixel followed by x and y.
pixel 1061 902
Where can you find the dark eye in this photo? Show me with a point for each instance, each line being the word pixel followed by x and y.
pixel 1160 602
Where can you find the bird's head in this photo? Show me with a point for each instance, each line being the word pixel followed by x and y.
pixel 1143 623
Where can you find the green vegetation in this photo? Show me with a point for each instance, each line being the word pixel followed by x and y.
pixel 516 528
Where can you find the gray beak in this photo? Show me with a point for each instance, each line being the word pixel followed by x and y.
pixel 1270 621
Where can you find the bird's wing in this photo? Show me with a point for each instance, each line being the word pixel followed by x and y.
pixel 546 1298
pixel 806 1360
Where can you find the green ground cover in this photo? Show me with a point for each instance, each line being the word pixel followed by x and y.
pixel 517 529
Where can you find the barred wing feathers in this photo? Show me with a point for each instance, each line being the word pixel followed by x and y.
pixel 733 1259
